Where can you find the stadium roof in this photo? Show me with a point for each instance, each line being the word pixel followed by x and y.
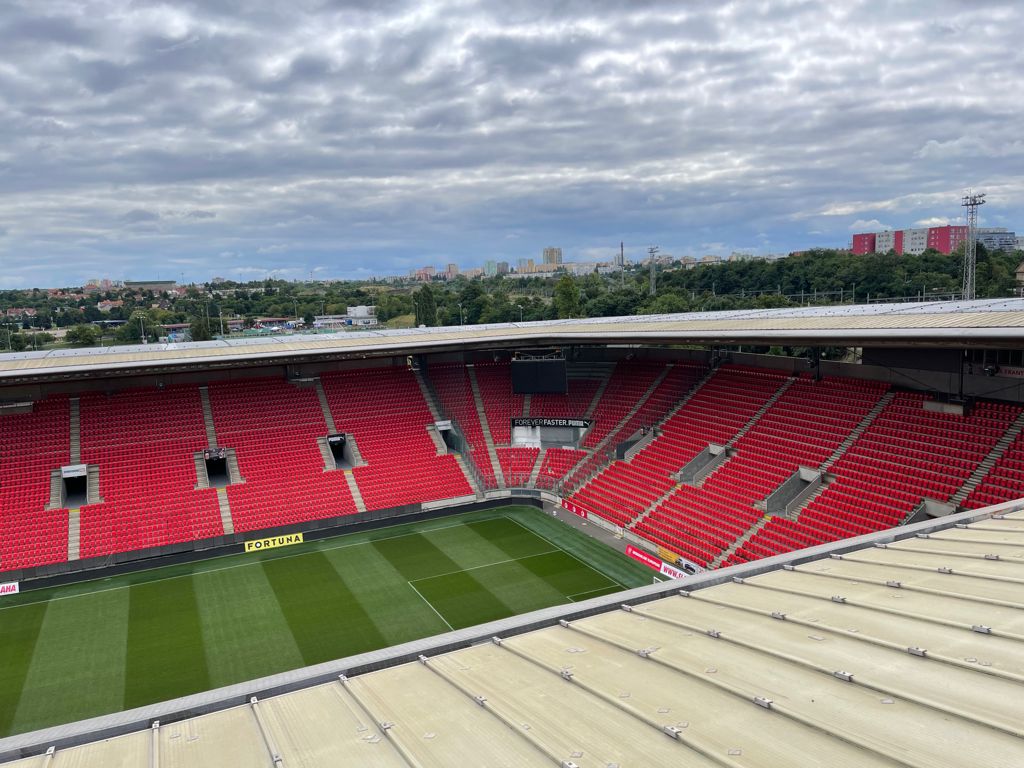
pixel 986 322
pixel 881 650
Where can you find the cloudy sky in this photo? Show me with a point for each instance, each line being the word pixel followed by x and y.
pixel 356 137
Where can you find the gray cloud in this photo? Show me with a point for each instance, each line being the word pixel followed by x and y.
pixel 353 135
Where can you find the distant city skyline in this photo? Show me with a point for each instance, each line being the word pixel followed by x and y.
pixel 346 139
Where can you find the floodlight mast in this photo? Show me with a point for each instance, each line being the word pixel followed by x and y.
pixel 971 202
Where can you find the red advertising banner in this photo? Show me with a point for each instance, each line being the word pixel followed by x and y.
pixel 644 557
pixel 576 509
pixel 654 562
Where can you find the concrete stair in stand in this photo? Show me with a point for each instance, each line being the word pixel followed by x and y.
pixel 734 547
pixel 482 415
pixel 202 478
pixel 535 472
pixel 471 476
pixel 211 432
pixel 325 407
pixel 93 485
pixel 982 470
pixel 74 527
pixel 325 454
pixel 353 488
pixel 225 511
pixel 56 490
pixel 75 443
pixel 869 417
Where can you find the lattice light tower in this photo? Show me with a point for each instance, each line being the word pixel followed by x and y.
pixel 652 252
pixel 971 202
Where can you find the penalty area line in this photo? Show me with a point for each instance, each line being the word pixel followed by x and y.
pixel 430 605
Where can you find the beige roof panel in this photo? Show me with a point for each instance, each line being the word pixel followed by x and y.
pixel 869 657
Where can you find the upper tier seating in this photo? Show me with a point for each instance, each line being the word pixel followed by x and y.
pixel 629 381
pixel 273 427
pixel 715 413
pixel 679 380
pixel 517 464
pixel 143 441
pixel 555 464
pixel 451 382
pixel 1005 481
pixel 500 404
pixel 31 446
pixel 905 455
pixel 573 404
pixel 802 428
pixel 384 408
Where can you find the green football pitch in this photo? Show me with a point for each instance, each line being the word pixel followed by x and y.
pixel 108 645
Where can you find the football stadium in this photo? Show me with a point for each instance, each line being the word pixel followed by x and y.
pixel 583 543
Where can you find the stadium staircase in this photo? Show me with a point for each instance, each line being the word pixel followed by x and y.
pixel 74 534
pixel 485 426
pixel 75 438
pixel 33 443
pixel 325 408
pixel 906 455
pixel 353 488
pixel 202 478
pixel 883 401
pixel 474 480
pixel 454 400
pixel 989 462
pixel 225 511
pixel 144 440
pixel 599 372
pixel 535 472
pixel 234 473
pixel 211 432
pixel 56 491
pixel 93 485
pixel 738 543
pixel 273 428
pixel 386 411
pixel 624 402
pixel 527 400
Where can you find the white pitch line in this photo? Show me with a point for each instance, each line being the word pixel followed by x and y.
pixel 570 554
pixel 588 592
pixel 430 605
pixel 488 565
pixel 239 565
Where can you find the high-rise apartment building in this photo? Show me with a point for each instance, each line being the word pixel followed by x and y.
pixel 943 239
pixel 552 255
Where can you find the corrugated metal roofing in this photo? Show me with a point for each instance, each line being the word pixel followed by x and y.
pixel 908 653
pixel 999 320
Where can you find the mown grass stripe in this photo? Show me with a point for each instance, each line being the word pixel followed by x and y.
pixel 512 539
pixel 596 554
pixel 244 629
pixel 81 648
pixel 165 656
pixel 383 592
pixel 417 557
pixel 565 574
pixel 19 632
pixel 325 618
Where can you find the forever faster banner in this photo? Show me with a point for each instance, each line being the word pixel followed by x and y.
pixel 287 540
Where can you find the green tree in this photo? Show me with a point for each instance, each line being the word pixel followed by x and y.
pixel 426 306
pixel 200 329
pixel 83 335
pixel 131 332
pixel 567 297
